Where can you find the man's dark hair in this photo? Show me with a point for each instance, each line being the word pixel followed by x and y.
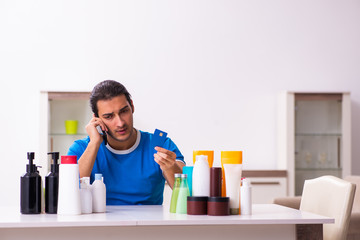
pixel 106 90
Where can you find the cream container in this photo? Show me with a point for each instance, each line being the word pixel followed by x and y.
pixel 229 157
pixel 218 206
pixel 197 205
pixel 233 182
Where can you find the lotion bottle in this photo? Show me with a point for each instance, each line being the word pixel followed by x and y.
pixel 245 198
pixel 52 185
pixel 85 195
pixel 233 181
pixel 30 188
pixel 175 192
pixel 201 177
pixel 98 194
pixel 181 205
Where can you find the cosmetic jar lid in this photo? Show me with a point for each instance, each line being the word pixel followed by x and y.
pixel 218 199
pixel 197 198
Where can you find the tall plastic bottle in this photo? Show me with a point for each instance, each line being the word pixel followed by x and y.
pixel 30 188
pixel 69 192
pixel 85 195
pixel 175 192
pixel 181 205
pixel 98 194
pixel 245 198
pixel 201 177
pixel 52 185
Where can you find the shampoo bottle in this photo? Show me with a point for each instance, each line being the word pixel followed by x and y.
pixel 201 177
pixel 175 192
pixel 85 195
pixel 52 185
pixel 181 205
pixel 98 194
pixel 30 188
pixel 69 192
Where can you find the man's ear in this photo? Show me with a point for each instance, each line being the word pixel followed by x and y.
pixel 132 106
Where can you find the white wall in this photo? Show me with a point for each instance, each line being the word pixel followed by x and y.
pixel 207 72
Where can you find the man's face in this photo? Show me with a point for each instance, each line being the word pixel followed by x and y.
pixel 117 114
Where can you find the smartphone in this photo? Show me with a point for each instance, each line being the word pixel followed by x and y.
pixel 102 133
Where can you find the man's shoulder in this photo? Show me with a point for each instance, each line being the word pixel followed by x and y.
pixel 145 135
pixel 82 142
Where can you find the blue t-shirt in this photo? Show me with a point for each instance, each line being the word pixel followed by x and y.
pixel 132 177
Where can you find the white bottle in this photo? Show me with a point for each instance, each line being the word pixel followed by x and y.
pixel 201 177
pixel 98 194
pixel 85 195
pixel 245 198
pixel 69 193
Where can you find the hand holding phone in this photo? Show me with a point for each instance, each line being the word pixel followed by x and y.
pixel 102 133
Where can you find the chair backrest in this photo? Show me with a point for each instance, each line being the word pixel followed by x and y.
pixel 332 197
pixel 356 181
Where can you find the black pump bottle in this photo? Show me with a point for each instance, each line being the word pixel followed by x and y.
pixel 52 185
pixel 30 188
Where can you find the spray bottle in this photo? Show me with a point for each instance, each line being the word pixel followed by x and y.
pixel 30 188
pixel 52 185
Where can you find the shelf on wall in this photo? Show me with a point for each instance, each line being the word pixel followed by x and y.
pixel 318 134
pixel 68 135
pixel 318 169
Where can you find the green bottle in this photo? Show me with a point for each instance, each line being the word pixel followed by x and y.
pixel 175 192
pixel 181 205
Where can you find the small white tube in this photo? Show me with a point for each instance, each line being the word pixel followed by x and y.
pixel 233 180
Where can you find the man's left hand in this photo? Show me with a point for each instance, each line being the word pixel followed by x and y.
pixel 165 158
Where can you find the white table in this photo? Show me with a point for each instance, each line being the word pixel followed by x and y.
pixel 268 221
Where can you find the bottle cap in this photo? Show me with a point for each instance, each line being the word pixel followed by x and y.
pixel 30 168
pixel 218 199
pixel 197 198
pixel 98 176
pixel 183 175
pixel 245 183
pixel 68 159
pixel 177 175
pixel 84 182
pixel 55 158
pixel 201 157
pixel 234 156
pixel 208 153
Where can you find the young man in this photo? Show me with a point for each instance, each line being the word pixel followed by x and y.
pixel 134 172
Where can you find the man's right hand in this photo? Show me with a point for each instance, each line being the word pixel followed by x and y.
pixel 93 133
pixel 87 160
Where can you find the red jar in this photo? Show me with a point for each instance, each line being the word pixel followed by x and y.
pixel 218 206
pixel 197 205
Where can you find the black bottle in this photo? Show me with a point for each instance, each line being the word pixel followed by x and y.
pixel 30 188
pixel 52 185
